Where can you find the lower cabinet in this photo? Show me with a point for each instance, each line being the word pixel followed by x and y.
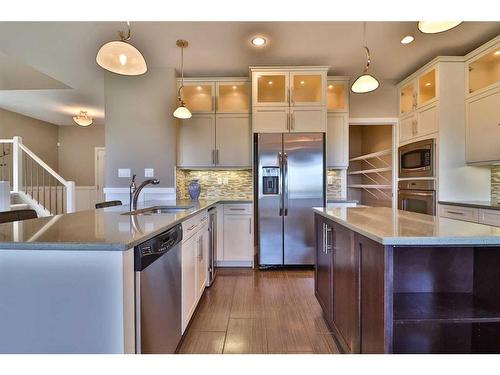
pixel 473 214
pixel 194 265
pixel 323 275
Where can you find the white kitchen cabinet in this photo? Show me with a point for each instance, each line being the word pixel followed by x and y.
pixel 307 119
pixel 233 140
pixel 337 94
pixel 337 140
pixel 483 68
pixel 489 217
pixel 199 96
pixel 232 97
pixel 459 213
pixel 427 87
pixel 189 285
pixel 407 97
pixel 407 128
pixel 483 127
pixel 238 239
pixel 270 88
pixel 196 141
pixel 270 119
pixel 307 89
pixel 427 121
pixel 202 260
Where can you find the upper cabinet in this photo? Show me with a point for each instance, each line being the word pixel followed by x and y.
pixel 233 97
pixel 289 99
pixel 337 94
pixel 483 70
pixel 427 90
pixel 199 96
pixel 482 104
pixel 418 91
pixel 407 98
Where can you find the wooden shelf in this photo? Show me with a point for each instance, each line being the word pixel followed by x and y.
pixel 372 155
pixel 413 308
pixel 362 186
pixel 374 170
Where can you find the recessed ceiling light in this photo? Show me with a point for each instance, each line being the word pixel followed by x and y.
pixel 407 39
pixel 434 27
pixel 258 41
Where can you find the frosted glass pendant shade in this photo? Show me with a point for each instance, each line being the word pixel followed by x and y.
pixel 122 58
pixel 83 119
pixel 433 27
pixel 364 83
pixel 182 112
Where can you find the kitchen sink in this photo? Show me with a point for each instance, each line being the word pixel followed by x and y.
pixel 159 210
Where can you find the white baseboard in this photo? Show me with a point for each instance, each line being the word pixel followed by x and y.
pixel 147 194
pixel 234 263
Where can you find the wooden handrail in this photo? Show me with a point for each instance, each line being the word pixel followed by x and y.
pixel 43 165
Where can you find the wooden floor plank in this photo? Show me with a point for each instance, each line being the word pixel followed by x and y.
pixel 254 311
pixel 245 336
pixel 203 343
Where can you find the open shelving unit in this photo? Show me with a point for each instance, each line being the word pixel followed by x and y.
pixel 370 179
pixel 443 306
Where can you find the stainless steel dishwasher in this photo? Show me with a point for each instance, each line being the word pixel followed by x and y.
pixel 158 281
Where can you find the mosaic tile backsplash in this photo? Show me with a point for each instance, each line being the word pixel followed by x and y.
pixel 239 183
pixel 495 183
pixel 334 191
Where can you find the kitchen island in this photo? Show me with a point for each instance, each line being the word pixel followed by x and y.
pixel 67 282
pixel 392 281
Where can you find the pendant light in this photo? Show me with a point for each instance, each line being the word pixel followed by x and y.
pixel 121 57
pixel 434 27
pixel 365 82
pixel 83 119
pixel 181 112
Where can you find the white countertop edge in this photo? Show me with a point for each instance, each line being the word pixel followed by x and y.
pixel 414 241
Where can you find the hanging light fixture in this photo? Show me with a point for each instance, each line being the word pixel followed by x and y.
pixel 365 82
pixel 121 57
pixel 434 27
pixel 181 112
pixel 83 119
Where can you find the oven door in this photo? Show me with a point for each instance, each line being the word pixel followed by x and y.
pixel 420 201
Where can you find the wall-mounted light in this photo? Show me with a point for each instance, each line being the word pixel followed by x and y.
pixel 182 112
pixel 434 27
pixel 121 57
pixel 365 82
pixel 83 119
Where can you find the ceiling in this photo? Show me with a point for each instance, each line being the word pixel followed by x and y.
pixel 48 69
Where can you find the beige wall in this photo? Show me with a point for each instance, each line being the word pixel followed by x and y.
pixel 140 128
pixel 39 136
pixel 76 152
pixel 382 102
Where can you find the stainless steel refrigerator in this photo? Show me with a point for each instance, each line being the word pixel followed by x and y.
pixel 290 181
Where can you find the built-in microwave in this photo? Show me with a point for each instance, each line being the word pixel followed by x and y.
pixel 417 159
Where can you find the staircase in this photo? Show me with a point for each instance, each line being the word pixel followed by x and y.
pixel 33 183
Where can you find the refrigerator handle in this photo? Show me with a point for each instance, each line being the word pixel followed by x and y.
pixel 285 184
pixel 280 182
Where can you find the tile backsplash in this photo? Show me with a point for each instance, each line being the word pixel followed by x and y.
pixel 495 183
pixel 334 191
pixel 239 183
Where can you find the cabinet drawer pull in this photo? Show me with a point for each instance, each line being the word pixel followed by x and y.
pixel 455 212
pixel 237 209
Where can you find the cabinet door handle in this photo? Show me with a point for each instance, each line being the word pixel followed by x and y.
pixel 213 103
pixel 292 120
pixel 455 213
pixel 250 226
pixel 217 156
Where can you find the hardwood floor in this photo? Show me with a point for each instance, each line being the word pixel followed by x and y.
pixel 252 311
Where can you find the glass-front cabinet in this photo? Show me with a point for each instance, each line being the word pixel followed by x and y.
pixel 427 87
pixel 407 100
pixel 484 71
pixel 233 97
pixel 337 96
pixel 199 96
pixel 271 89
pixel 307 89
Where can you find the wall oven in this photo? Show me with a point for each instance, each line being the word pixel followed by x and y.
pixel 417 159
pixel 417 196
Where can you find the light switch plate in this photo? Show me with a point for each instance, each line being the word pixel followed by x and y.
pixel 330 180
pixel 149 172
pixel 123 172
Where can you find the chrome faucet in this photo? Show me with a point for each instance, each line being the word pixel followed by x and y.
pixel 137 191
pixel 132 189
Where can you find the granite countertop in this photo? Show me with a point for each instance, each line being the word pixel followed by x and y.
pixel 390 226
pixel 103 229
pixel 474 204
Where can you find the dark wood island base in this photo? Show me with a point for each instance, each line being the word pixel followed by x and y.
pixel 406 299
